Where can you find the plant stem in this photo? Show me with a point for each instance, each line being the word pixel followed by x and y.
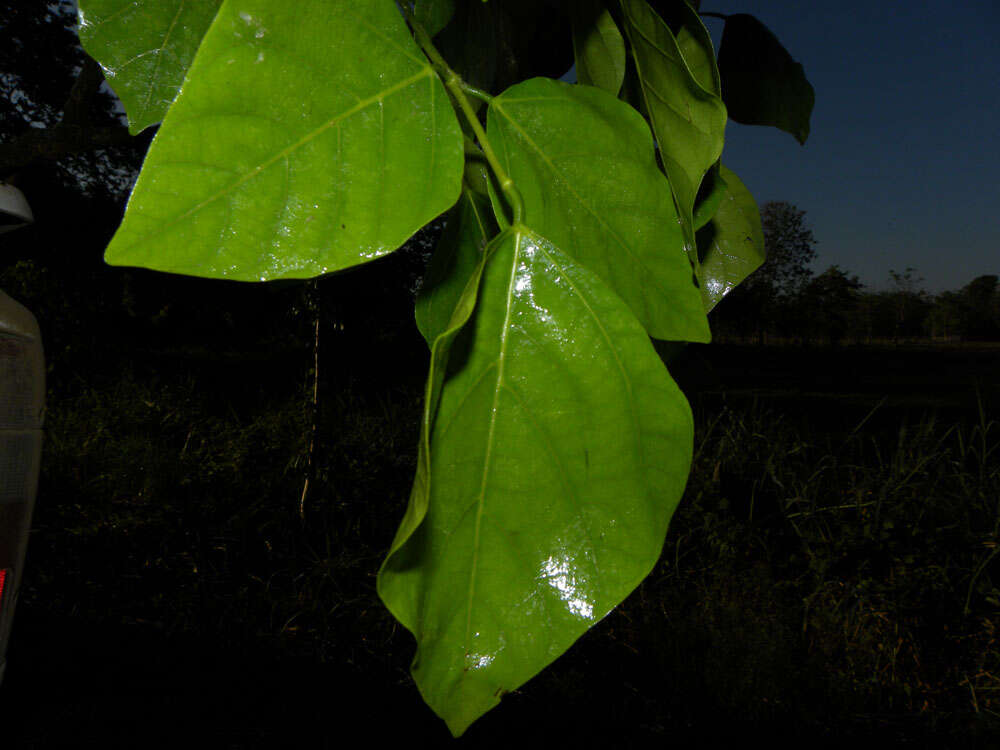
pixel 474 92
pixel 458 89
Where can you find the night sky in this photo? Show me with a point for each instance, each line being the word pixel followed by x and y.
pixel 901 167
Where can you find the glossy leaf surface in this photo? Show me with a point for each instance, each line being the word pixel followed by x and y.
pixel 255 176
pixel 598 46
pixel 731 244
pixel 585 165
pixel 555 456
pixel 761 83
pixel 688 120
pixel 145 48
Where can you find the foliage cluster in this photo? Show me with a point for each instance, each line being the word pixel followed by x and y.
pixel 224 556
pixel 582 220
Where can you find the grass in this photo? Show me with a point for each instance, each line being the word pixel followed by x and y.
pixel 867 555
pixel 814 579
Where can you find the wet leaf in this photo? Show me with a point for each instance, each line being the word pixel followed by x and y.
pixel 732 243
pixel 145 48
pixel 252 176
pixel 553 456
pixel 585 165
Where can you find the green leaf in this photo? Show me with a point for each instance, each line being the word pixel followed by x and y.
pixel 554 459
pixel 255 176
pixel 145 48
pixel 761 83
pixel 585 165
pixel 713 188
pixel 433 15
pixel 597 46
pixel 399 579
pixel 470 227
pixel 693 41
pixel 688 120
pixel 732 243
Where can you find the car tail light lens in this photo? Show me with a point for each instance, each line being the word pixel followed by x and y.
pixel 6 574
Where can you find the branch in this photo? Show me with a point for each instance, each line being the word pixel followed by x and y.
pixel 458 88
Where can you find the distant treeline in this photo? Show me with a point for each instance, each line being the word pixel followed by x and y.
pixel 785 301
pixel 835 308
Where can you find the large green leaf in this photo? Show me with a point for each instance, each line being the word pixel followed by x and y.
pixel 731 244
pixel 689 121
pixel 256 176
pixel 761 83
pixel 585 165
pixel 401 578
pixel 552 462
pixel 145 48
pixel 598 46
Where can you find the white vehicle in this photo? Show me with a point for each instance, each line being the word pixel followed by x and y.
pixel 22 404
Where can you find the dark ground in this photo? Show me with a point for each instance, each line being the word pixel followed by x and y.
pixel 73 681
pixel 832 387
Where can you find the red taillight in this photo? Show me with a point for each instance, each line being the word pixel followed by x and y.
pixel 3 581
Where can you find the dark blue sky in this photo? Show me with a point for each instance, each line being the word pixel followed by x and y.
pixel 902 166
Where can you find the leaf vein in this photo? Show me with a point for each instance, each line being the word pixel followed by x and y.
pixel 156 67
pixel 569 188
pixel 333 122
pixel 491 435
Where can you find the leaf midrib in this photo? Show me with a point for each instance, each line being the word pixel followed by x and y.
pixel 481 500
pixel 361 105
pixel 499 386
pixel 569 187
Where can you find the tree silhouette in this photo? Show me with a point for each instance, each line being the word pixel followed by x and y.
pixel 790 249
pixel 909 301
pixel 767 300
pixel 981 296
pixel 829 302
